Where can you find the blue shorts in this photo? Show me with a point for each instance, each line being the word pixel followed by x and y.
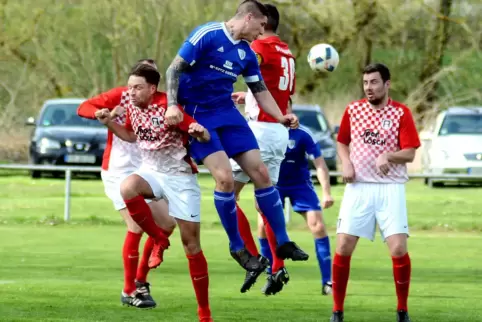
pixel 303 198
pixel 229 132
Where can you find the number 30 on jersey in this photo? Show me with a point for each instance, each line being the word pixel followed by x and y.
pixel 286 81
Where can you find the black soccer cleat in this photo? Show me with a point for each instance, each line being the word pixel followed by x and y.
pixel 291 251
pixel 251 277
pixel 247 261
pixel 275 282
pixel 327 288
pixel 402 316
pixel 137 300
pixel 145 289
pixel 337 316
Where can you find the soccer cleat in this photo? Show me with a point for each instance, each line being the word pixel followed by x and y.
pixel 137 300
pixel 327 288
pixel 251 277
pixel 337 316
pixel 157 254
pixel 402 316
pixel 145 290
pixel 247 261
pixel 275 282
pixel 291 251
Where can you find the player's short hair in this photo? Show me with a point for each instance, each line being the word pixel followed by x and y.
pixel 143 62
pixel 149 73
pixel 254 7
pixel 273 17
pixel 378 67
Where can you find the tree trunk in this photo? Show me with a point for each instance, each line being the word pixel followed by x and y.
pixel 432 62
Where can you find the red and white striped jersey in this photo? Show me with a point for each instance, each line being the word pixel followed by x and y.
pixel 370 132
pixel 119 156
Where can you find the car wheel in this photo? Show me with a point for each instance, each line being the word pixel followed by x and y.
pixel 333 181
pixel 35 174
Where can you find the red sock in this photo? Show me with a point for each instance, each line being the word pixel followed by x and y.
pixel 245 232
pixel 130 255
pixel 198 268
pixel 402 269
pixel 142 215
pixel 277 263
pixel 341 272
pixel 143 268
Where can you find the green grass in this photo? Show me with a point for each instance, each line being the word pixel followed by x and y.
pixel 52 271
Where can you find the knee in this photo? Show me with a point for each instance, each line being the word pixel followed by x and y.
pixel 345 245
pixel 317 228
pixel 128 187
pixel 260 175
pixel 398 249
pixel 191 247
pixel 224 180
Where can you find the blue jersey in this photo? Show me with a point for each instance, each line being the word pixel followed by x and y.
pixel 295 169
pixel 216 61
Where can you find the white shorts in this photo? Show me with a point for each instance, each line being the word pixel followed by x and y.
pixel 112 182
pixel 273 142
pixel 366 204
pixel 182 192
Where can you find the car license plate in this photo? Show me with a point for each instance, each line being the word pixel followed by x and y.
pixel 74 158
pixel 475 171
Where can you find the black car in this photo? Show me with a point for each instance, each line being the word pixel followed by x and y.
pixel 312 117
pixel 61 137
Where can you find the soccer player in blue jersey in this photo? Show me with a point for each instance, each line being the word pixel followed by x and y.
pixel 295 184
pixel 201 78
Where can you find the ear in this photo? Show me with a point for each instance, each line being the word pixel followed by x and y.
pixel 387 84
pixel 153 89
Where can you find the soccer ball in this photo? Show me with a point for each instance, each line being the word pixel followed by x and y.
pixel 323 57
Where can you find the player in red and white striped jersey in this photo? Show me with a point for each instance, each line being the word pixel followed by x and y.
pixel 120 160
pixel 167 172
pixel 377 138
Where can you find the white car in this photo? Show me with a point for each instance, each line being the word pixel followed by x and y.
pixel 452 144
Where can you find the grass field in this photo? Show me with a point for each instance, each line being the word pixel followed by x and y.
pixel 52 271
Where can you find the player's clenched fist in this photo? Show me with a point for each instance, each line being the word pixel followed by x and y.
pixel 117 111
pixel 199 132
pixel 173 115
pixel 103 115
pixel 348 172
pixel 291 120
pixel 382 164
pixel 239 97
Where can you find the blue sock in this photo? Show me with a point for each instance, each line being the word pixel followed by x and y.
pixel 270 204
pixel 225 203
pixel 322 246
pixel 266 252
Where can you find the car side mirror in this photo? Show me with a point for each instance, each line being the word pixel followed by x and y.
pixel 30 121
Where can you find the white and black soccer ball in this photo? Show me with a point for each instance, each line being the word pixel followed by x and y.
pixel 323 57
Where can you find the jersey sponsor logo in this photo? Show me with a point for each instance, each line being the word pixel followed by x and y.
pixel 241 53
pixel 373 138
pixel 145 134
pixel 259 58
pixel 387 124
pixel 219 69
pixel 228 65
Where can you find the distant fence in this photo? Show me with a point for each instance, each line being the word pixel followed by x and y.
pixel 68 170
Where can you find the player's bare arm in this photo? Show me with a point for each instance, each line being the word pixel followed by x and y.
pixel 348 171
pixel 199 132
pixel 402 156
pixel 173 74
pixel 323 175
pixel 105 116
pixel 266 100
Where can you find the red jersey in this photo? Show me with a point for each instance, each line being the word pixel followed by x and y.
pixel 163 148
pixel 370 132
pixel 119 156
pixel 277 66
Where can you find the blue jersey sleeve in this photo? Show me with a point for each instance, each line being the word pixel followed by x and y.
pixel 197 42
pixel 312 147
pixel 251 72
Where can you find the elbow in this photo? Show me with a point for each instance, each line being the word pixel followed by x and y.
pixel 411 156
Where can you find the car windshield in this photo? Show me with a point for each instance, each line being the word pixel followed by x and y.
pixel 313 120
pixel 65 115
pixel 462 124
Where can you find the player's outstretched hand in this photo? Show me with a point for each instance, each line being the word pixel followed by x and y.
pixel 327 201
pixel 117 111
pixel 382 164
pixel 239 97
pixel 173 115
pixel 199 132
pixel 103 115
pixel 291 120
pixel 348 172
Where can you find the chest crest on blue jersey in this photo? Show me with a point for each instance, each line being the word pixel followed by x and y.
pixel 242 54
pixel 291 144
